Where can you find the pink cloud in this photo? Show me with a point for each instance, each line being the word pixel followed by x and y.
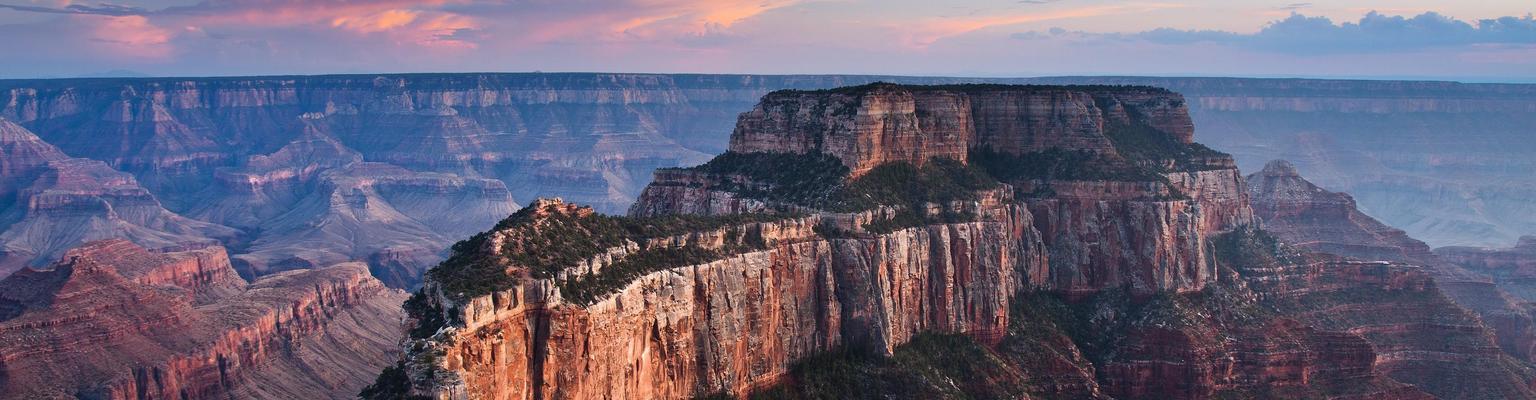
pixel 926 32
pixel 132 37
pixel 376 22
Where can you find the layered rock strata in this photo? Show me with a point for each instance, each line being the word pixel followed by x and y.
pixel 1517 262
pixel 115 321
pixel 595 138
pixel 1310 217
pixel 50 202
pixel 741 321
pixel 1129 223
pixel 735 323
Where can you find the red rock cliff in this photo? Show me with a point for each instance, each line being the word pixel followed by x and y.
pixel 1163 310
pixel 115 321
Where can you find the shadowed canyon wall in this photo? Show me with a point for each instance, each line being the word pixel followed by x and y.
pixel 1446 162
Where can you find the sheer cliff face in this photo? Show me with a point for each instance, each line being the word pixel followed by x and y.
pixel 888 123
pixel 1102 281
pixel 866 128
pixel 822 282
pixel 741 321
pixel 113 320
pixel 1100 233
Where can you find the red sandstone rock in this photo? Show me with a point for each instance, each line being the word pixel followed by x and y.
pixel 1311 217
pixel 1517 262
pixel 737 324
pixel 113 320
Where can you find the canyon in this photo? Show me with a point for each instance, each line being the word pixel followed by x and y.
pixel 268 159
pixel 1103 205
pixel 851 242
pixel 113 320
pixel 1443 161
pixel 1310 217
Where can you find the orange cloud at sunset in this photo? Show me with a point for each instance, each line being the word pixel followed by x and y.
pixel 381 21
pixel 636 20
pixel 129 36
pixel 356 15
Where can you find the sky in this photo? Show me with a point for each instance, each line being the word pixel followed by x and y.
pixel 1483 40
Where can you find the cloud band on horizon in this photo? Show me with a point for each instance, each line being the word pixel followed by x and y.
pixel 224 37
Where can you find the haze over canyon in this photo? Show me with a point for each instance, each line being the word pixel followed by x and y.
pixel 595 235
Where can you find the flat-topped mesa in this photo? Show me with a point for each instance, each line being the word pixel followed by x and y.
pixel 863 126
pixel 1117 188
pixel 206 272
pixel 1517 262
pixel 866 126
pixel 1087 143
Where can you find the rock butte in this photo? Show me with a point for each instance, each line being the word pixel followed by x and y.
pixel 279 162
pixel 739 324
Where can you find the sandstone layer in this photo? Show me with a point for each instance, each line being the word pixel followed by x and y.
pixel 595 138
pixel 1148 280
pixel 115 321
pixel 50 202
pixel 1310 217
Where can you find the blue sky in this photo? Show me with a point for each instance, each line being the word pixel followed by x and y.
pixel 1478 41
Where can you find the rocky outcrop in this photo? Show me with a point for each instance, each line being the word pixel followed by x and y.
pixel 1307 216
pixel 205 272
pixel 1517 262
pixel 1509 280
pixel 1161 311
pixel 870 125
pixel 739 322
pixel 1101 233
pixel 375 212
pixel 865 126
pixel 50 202
pixel 532 131
pixel 1330 222
pixel 1420 336
pixel 113 320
